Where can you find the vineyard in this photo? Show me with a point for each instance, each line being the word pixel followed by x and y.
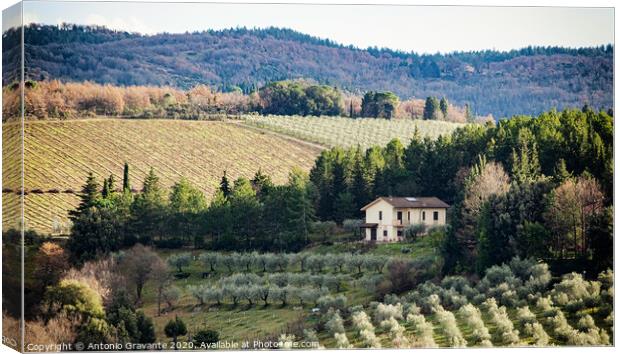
pixel 327 299
pixel 340 131
pixel 60 154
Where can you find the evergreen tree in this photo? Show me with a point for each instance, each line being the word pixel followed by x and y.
pixel 225 186
pixel 174 329
pixel 431 107
pixel 469 115
pixel 89 196
pixel 148 210
pixel 111 184
pixel 126 185
pixel 186 198
pixel 359 184
pixel 443 106
pixel 561 173
pixel 525 162
pixel 105 190
pixel 261 183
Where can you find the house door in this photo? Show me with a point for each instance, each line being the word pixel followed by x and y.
pixel 373 234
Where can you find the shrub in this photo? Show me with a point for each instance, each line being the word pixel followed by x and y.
pixel 171 295
pixel 449 327
pixel 209 259
pixel 361 321
pixel 472 316
pixel 385 312
pixel 546 306
pixel 205 337
pixel 525 316
pixel 586 322
pixel 369 339
pixel 342 342
pixel 537 332
pixel 179 261
pixel 573 288
pixel 335 324
pixel 328 301
pixel 396 332
pixel 200 292
pixel 423 330
pixel 505 332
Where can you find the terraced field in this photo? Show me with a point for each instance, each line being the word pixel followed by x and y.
pixel 340 131
pixel 60 154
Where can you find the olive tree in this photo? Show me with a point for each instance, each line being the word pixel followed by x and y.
pixel 179 261
pixel 209 259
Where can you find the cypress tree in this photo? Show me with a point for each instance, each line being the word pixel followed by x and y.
pixel 360 183
pixel 469 116
pixel 431 106
pixel 111 183
pixel 225 186
pixel 443 106
pixel 105 191
pixel 126 185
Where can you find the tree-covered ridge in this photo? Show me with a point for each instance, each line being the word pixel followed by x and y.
pixel 526 187
pixel 529 80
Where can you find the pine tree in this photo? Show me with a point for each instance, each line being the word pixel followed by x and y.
pixel 126 185
pixel 261 183
pixel 561 172
pixel 151 183
pixel 359 187
pixel 443 105
pixel 225 186
pixel 431 106
pixel 89 195
pixel 525 162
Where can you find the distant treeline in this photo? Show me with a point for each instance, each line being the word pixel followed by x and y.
pixel 57 100
pixel 524 81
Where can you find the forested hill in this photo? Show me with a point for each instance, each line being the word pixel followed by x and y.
pixel 526 81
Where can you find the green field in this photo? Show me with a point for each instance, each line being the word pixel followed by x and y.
pixel 348 132
pixel 258 321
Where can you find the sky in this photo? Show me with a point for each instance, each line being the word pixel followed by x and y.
pixel 422 29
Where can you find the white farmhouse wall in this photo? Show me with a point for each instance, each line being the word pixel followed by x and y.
pixel 385 230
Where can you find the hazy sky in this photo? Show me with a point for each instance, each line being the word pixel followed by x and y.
pixel 423 29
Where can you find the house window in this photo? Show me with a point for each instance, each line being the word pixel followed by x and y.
pixel 399 232
pixel 409 216
pixel 385 233
pixel 435 215
pixel 380 215
pixel 423 215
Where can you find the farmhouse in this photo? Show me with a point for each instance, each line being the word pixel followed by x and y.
pixel 387 217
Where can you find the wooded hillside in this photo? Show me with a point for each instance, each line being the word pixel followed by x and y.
pixel 526 81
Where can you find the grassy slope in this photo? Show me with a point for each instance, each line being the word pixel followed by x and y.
pixel 339 131
pixel 60 154
pixel 244 322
